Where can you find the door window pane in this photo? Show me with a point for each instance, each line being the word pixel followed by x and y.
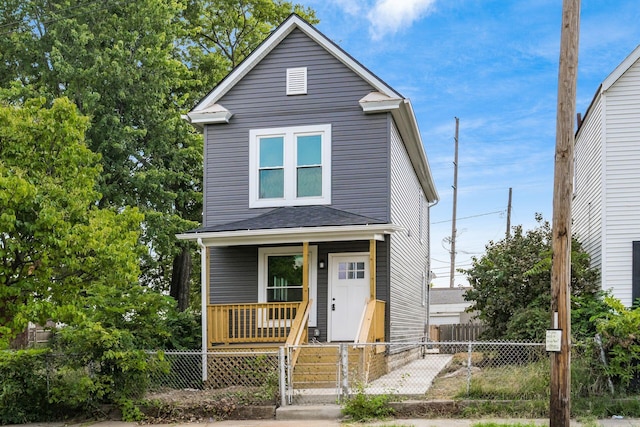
pixel 284 275
pixel 350 270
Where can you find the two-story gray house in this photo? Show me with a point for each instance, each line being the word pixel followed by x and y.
pixel 317 192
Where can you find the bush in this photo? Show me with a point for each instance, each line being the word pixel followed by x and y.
pixel 23 395
pixel 104 366
pixel 362 407
pixel 619 330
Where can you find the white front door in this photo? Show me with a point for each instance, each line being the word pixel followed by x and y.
pixel 348 294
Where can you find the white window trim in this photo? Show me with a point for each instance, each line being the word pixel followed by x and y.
pixel 263 253
pixel 289 134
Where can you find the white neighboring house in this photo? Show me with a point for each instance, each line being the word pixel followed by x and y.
pixel 606 202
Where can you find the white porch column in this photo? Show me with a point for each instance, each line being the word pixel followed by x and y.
pixel 204 301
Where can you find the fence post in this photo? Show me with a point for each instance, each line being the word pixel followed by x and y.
pixel 205 365
pixel 469 368
pixel 283 377
pixel 344 360
pixel 289 373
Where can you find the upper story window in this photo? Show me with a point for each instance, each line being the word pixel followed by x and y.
pixel 290 166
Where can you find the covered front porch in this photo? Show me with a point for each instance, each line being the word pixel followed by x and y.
pixel 339 287
pixel 338 294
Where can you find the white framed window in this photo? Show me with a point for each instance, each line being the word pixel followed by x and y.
pixel 290 166
pixel 280 276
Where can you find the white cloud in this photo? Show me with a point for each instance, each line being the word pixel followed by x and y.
pixel 351 7
pixel 389 16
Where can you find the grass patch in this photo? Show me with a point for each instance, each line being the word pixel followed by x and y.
pixel 526 382
pixel 601 407
pixel 506 409
pixel 510 382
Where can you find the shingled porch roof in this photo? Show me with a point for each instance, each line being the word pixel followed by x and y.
pixel 292 224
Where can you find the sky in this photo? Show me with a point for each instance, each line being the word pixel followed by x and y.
pixel 494 65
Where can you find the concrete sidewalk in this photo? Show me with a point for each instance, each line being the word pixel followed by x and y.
pixel 411 380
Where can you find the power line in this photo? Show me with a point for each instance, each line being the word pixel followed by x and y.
pixel 471 216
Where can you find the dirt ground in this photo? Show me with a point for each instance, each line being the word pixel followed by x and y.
pixel 193 405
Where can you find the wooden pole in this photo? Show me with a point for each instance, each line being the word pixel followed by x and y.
pixel 560 400
pixel 455 205
pixel 509 214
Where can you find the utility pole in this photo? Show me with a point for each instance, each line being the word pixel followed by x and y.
pixel 560 385
pixel 509 214
pixel 455 205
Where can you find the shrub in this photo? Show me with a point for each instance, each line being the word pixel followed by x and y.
pixel 23 395
pixel 362 407
pixel 621 341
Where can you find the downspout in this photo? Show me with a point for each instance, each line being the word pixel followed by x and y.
pixel 203 302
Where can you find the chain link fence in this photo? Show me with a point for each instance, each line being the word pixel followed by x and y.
pixel 215 370
pixel 329 373
pixel 429 371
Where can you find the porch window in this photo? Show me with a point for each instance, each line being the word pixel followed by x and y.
pixel 280 276
pixel 284 282
pixel 290 166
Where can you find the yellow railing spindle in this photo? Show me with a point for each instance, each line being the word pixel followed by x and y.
pixel 252 322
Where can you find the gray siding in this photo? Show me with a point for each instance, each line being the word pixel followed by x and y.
pixel 409 249
pixel 234 275
pixel 360 165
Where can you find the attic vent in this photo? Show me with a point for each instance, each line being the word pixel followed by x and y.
pixel 297 81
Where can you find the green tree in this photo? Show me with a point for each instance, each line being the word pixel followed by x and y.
pixel 133 68
pixel 224 32
pixel 55 242
pixel 511 285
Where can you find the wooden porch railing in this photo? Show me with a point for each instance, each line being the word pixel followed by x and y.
pixel 372 328
pixel 299 331
pixel 371 331
pixel 251 323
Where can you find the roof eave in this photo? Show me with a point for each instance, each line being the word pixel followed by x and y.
pixel 408 127
pixel 621 69
pixel 404 116
pixel 292 235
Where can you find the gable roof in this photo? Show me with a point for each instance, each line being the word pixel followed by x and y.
pixel 292 22
pixel 609 81
pixel 384 99
pixel 621 69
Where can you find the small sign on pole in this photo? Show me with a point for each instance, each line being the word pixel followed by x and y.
pixel 554 340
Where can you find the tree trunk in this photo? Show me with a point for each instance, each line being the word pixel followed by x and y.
pixel 180 288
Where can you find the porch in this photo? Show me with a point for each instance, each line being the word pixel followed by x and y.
pixel 279 323
pixel 247 329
